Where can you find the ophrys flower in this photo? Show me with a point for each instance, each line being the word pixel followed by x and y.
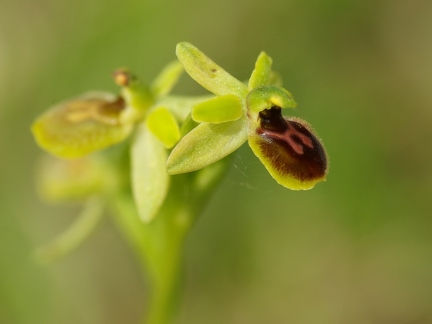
pixel 287 147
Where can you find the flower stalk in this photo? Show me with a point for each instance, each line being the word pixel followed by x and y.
pixel 160 244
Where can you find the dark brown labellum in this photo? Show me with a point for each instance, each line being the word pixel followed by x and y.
pixel 291 147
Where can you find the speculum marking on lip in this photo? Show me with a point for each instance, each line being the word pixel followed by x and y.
pixel 291 147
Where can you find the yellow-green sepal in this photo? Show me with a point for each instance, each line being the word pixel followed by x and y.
pixel 261 75
pixel 206 144
pixel 207 73
pixel 164 126
pixel 150 180
pixel 82 125
pixel 219 109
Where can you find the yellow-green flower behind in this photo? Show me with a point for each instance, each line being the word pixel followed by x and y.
pixel 94 121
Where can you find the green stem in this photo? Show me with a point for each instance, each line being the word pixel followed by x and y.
pixel 159 244
pixel 159 247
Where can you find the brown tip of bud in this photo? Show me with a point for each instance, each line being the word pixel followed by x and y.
pixel 123 77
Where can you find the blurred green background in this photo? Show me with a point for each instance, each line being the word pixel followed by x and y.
pixel 356 249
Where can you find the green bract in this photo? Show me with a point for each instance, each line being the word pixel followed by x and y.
pixel 97 120
pixel 150 181
pixel 289 150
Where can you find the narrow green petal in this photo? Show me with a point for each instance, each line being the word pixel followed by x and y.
pixel 150 180
pixel 206 144
pixel 219 109
pixel 181 106
pixel 207 73
pixel 82 125
pixel 262 72
pixel 167 79
pixel 163 125
pixel 289 150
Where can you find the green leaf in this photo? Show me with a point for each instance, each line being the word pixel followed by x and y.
pixel 167 79
pixel 150 180
pixel 262 72
pixel 206 144
pixel 207 73
pixel 219 109
pixel 163 125
pixel 82 125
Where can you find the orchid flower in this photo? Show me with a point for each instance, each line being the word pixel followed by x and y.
pixel 97 120
pixel 288 147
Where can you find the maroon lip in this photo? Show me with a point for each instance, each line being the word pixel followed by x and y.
pixel 291 146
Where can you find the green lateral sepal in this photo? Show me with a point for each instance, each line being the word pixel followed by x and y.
pixel 206 144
